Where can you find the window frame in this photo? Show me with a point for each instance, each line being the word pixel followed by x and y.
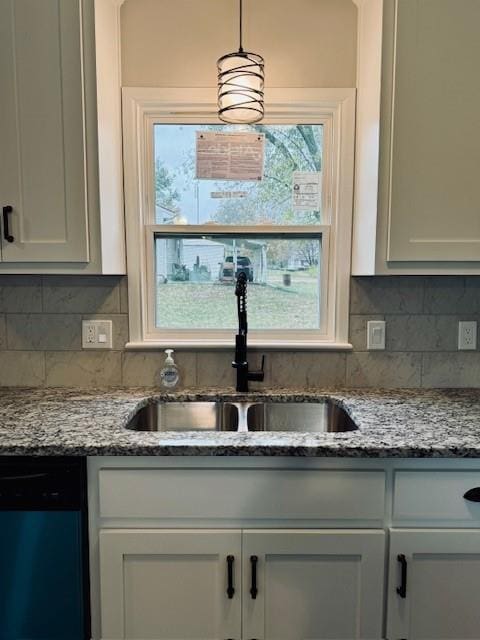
pixel 335 110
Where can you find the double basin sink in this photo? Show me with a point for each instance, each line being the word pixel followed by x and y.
pixel 298 417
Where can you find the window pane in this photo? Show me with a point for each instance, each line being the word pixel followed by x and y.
pixel 195 281
pixel 289 150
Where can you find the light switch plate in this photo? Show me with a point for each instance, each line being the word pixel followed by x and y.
pixel 96 334
pixel 467 335
pixel 376 335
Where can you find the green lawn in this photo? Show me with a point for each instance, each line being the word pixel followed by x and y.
pixel 212 305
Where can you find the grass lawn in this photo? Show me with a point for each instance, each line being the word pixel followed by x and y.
pixel 213 305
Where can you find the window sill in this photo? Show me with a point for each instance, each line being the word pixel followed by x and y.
pixel 280 345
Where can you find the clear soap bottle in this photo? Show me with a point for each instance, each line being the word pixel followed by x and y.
pixel 170 374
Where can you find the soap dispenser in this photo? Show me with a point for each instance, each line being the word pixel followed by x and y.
pixel 169 375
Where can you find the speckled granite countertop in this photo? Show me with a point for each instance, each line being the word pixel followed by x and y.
pixel 392 423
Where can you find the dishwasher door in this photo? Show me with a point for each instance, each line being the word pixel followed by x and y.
pixel 43 552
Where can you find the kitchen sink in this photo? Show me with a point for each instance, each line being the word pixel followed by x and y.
pixel 297 417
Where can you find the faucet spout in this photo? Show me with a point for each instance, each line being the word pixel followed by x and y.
pixel 240 362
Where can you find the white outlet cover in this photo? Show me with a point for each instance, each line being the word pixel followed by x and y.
pixel 467 335
pixel 376 335
pixel 96 334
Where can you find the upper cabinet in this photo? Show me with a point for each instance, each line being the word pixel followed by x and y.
pixel 42 132
pixel 417 206
pixel 49 189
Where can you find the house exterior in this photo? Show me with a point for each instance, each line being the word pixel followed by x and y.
pixel 176 257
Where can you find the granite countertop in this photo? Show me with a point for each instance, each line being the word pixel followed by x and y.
pixel 89 422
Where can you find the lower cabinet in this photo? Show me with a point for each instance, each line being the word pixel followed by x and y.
pixel 170 584
pixel 313 584
pixel 434 585
pixel 264 577
pixel 234 584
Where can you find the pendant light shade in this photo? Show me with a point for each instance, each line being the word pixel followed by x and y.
pixel 240 85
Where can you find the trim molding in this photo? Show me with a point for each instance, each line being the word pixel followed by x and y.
pixel 110 161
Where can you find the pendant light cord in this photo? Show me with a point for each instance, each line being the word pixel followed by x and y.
pixel 241 20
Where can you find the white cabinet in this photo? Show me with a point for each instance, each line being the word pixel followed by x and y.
pixel 313 584
pixel 314 574
pixel 170 584
pixel 272 517
pixel 436 498
pixel 296 584
pixel 442 583
pixel 42 170
pixel 434 187
pixel 425 139
pixel 49 192
pixel 308 537
pixel 271 497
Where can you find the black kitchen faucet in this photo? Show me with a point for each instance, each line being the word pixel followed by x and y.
pixel 241 363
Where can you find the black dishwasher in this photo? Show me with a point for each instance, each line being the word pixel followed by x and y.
pixel 44 585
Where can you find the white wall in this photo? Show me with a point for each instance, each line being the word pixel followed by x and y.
pixel 175 43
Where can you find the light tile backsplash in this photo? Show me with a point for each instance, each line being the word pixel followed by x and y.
pixel 40 338
pixel 83 368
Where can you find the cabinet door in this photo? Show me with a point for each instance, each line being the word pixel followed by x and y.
pixel 442 585
pixel 170 584
pixel 42 159
pixel 313 584
pixel 435 155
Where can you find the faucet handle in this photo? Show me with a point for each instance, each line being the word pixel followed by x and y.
pixel 258 376
pixel 262 368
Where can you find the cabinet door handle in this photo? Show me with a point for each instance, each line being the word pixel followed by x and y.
pixel 253 588
pixel 230 587
pixel 402 589
pixel 473 495
pixel 6 233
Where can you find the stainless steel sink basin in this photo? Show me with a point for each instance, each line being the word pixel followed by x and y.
pixel 298 417
pixel 310 417
pixel 185 416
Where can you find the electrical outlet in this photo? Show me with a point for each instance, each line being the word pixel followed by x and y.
pixel 97 334
pixel 376 335
pixel 90 333
pixel 467 335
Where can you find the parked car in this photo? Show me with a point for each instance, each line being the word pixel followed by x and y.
pixel 180 273
pixel 244 265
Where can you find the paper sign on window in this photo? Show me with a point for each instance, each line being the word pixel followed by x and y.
pixel 228 194
pixel 229 156
pixel 307 190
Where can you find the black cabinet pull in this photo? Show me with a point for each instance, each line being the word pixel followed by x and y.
pixel 473 495
pixel 6 233
pixel 253 588
pixel 402 589
pixel 230 587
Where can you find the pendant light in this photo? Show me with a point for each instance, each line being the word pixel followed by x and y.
pixel 240 85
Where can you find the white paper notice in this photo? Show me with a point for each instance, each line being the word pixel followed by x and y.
pixel 230 156
pixel 307 190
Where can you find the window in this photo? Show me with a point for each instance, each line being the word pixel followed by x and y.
pixel 285 221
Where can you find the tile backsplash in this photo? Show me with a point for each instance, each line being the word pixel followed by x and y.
pixel 40 338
